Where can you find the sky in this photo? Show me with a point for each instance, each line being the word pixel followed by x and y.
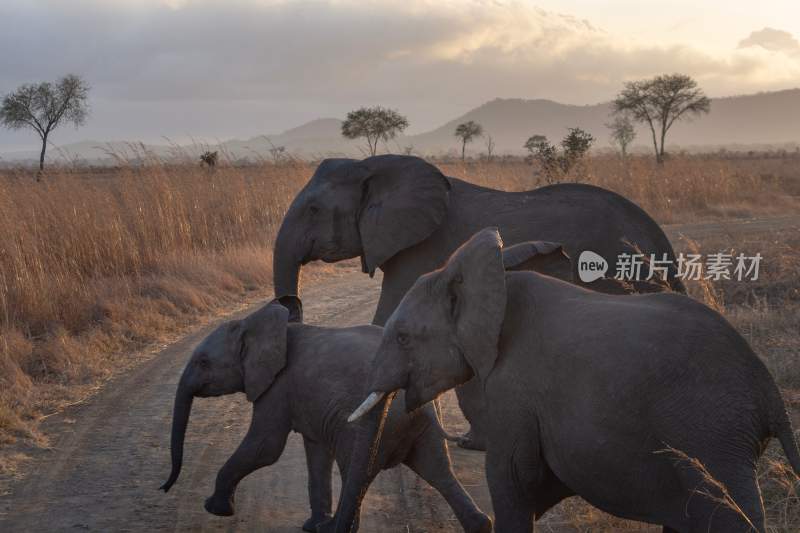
pixel 222 69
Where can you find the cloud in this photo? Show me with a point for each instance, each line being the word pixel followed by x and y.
pixel 242 67
pixel 772 40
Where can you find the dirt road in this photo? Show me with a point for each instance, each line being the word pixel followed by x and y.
pixel 111 453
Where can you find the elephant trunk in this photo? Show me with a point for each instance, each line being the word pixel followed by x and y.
pixel 180 419
pixel 287 258
pixel 365 463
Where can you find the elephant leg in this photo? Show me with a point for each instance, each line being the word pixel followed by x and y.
pixel 473 405
pixel 520 483
pixel 549 494
pixel 430 459
pixel 319 461
pixel 744 514
pixel 513 512
pixel 261 446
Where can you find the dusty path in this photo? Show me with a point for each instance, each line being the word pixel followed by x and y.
pixel 111 453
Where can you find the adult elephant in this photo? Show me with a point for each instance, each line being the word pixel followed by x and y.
pixel 402 215
pixel 651 407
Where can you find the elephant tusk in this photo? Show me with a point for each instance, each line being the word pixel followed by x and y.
pixel 369 403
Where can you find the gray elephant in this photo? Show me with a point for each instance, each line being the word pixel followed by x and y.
pixel 402 215
pixel 308 379
pixel 589 393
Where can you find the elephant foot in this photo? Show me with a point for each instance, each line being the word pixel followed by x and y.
pixel 472 441
pixel 480 523
pixel 328 526
pixel 312 524
pixel 219 505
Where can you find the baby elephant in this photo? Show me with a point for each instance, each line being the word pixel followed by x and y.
pixel 591 394
pixel 308 379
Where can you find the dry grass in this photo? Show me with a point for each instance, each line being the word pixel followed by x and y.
pixel 92 266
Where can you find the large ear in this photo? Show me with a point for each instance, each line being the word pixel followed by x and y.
pixel 404 199
pixel 294 305
pixel 263 338
pixel 542 256
pixel 477 291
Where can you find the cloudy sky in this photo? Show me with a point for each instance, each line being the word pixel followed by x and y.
pixel 218 69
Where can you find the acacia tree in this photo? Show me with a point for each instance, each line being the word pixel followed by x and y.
pixel 622 132
pixel 44 106
pixel 467 131
pixel 659 102
pixel 374 124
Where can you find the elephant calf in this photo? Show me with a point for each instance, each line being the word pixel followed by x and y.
pixel 589 393
pixel 308 379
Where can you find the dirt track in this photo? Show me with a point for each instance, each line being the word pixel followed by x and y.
pixel 111 453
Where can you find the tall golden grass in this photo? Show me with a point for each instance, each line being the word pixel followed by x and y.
pixel 94 262
pixel 90 265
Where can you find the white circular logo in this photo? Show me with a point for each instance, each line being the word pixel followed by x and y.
pixel 591 266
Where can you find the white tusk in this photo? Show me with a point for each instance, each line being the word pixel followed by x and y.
pixel 369 403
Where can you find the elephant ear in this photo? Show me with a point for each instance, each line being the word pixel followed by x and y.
pixel 294 305
pixel 404 199
pixel 476 286
pixel 542 256
pixel 263 342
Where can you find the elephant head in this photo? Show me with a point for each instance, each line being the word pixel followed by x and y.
pixel 239 356
pixel 447 327
pixel 372 208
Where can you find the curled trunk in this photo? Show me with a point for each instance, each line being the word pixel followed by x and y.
pixel 180 419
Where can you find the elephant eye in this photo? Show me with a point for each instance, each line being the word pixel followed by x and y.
pixel 313 209
pixel 203 363
pixel 402 339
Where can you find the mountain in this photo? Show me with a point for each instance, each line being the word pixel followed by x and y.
pixel 751 120
pixel 756 120
pixel 318 138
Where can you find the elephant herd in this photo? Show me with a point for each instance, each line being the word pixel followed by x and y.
pixel 571 388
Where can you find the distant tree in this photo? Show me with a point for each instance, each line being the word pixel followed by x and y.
pixel 209 158
pixel 556 163
pixel 374 124
pixel 574 146
pixel 659 102
pixel 489 141
pixel 467 131
pixel 44 106
pixel 622 132
pixel 535 143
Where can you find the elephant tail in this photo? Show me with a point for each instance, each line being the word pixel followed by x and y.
pixel 781 428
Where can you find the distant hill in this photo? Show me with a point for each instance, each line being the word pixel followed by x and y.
pixel 734 122
pixel 758 119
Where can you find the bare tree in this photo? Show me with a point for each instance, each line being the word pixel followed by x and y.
pixel 44 106
pixel 659 102
pixel 489 141
pixel 374 124
pixel 622 132
pixel 467 131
